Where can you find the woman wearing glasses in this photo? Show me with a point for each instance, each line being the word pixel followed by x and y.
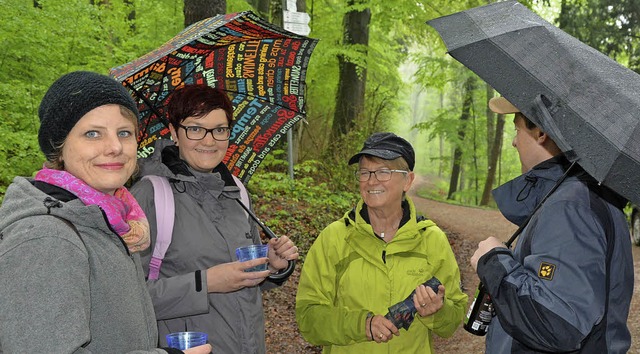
pixel 201 286
pixel 373 258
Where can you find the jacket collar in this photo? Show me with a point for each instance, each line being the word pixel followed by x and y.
pixel 410 223
pixel 166 162
pixel 518 198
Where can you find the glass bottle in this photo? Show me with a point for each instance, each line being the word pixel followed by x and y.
pixel 480 313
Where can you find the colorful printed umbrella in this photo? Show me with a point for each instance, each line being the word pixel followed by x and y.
pixel 261 67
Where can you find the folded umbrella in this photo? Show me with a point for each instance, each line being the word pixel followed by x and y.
pixel 403 313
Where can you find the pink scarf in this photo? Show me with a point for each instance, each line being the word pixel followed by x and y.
pixel 123 211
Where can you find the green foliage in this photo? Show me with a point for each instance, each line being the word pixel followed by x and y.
pixel 437 189
pixel 42 43
pixel 275 161
pixel 19 156
pixel 611 26
pixel 299 208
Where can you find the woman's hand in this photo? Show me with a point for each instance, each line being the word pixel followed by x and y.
pixel 228 277
pixel 281 251
pixel 201 349
pixel 426 301
pixel 381 328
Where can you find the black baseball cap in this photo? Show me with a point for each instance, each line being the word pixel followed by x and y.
pixel 386 146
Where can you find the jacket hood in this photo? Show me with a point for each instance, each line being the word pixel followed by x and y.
pixel 414 222
pixel 153 165
pixel 23 200
pixel 518 198
pixel 166 162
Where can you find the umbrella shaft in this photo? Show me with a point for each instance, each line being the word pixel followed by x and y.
pixel 270 234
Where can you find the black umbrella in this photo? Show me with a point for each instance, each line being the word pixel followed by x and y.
pixel 587 102
pixel 261 67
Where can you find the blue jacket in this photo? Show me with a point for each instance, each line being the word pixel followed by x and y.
pixel 551 292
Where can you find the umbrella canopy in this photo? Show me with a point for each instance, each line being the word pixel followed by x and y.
pixel 261 67
pixel 588 103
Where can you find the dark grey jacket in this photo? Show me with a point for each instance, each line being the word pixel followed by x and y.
pixel 64 293
pixel 209 225
pixel 551 292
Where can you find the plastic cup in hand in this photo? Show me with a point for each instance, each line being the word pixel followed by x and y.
pixel 248 253
pixel 186 340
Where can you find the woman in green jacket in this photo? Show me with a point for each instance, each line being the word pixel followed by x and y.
pixel 374 257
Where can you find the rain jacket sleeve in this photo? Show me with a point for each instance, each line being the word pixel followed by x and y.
pixel 54 267
pixel 446 321
pixel 552 298
pixel 321 322
pixel 178 296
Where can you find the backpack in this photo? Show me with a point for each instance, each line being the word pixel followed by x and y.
pixel 165 214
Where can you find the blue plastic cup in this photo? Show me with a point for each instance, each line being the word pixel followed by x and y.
pixel 186 340
pixel 247 253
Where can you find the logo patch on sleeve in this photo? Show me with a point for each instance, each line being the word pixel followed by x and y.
pixel 546 271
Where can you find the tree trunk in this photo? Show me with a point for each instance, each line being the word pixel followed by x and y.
pixel 491 125
pixel 196 10
pixel 457 153
pixel 261 7
pixel 132 14
pixel 351 84
pixel 494 156
pixel 275 7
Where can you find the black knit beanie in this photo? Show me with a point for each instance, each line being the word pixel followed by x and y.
pixel 71 97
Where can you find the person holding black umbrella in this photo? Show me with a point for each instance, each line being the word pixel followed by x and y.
pixel 373 258
pixel 567 284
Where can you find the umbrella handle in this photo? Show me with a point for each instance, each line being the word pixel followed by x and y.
pixel 280 276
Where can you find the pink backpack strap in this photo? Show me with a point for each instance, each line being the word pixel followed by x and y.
pixel 165 214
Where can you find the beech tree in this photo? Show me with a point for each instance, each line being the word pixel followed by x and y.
pixel 196 10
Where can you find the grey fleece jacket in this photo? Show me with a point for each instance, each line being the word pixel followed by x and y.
pixel 65 293
pixel 209 225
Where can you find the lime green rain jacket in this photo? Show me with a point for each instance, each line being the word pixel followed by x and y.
pixel 349 271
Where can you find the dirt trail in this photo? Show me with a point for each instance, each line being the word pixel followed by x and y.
pixel 466 226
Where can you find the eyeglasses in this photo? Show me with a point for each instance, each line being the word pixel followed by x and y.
pixel 381 175
pixel 195 132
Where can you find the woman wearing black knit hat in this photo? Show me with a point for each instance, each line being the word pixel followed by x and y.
pixel 69 237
